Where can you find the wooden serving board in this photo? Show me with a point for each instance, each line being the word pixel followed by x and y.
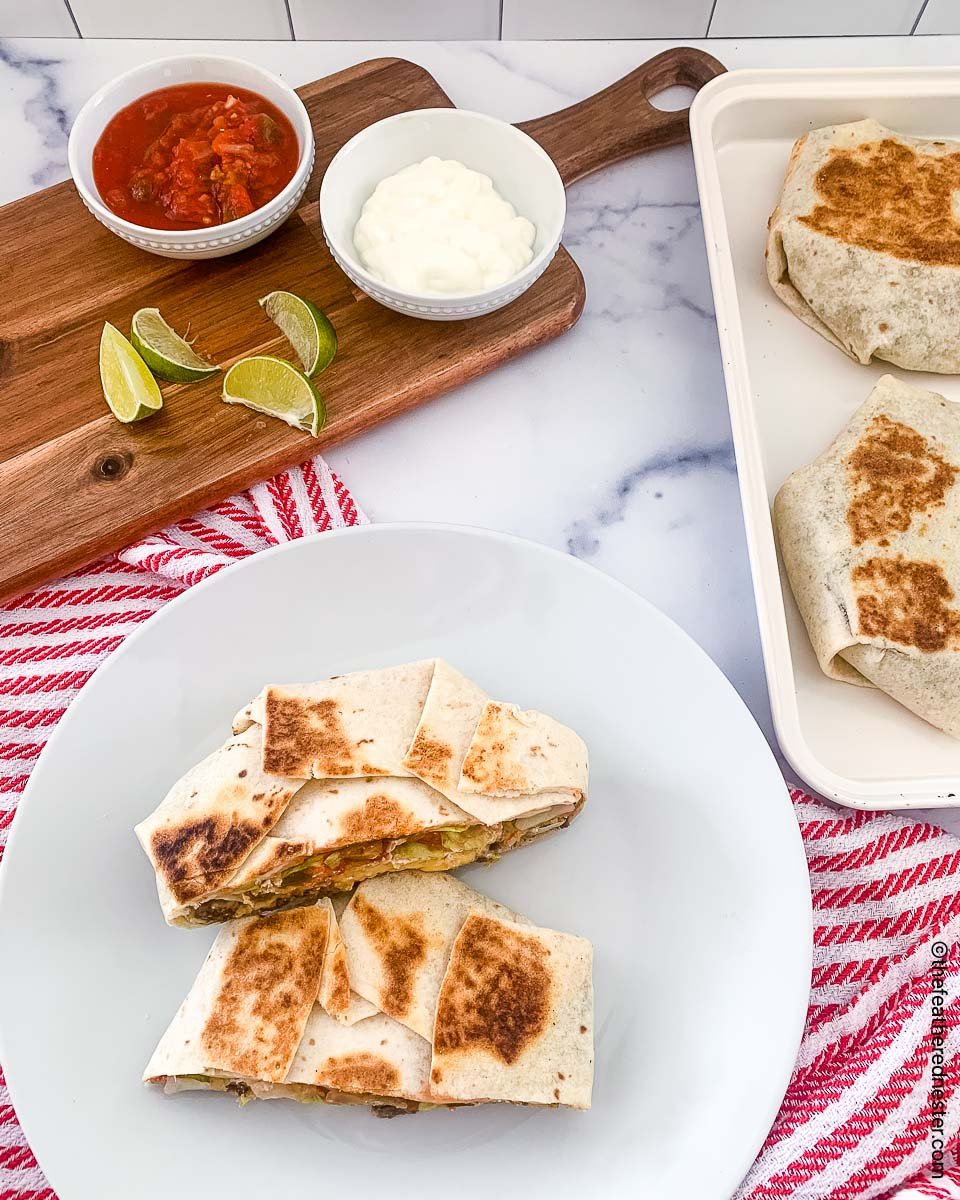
pixel 75 483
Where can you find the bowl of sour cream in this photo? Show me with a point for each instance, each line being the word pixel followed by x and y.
pixel 442 213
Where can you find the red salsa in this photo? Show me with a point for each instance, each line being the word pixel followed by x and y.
pixel 194 155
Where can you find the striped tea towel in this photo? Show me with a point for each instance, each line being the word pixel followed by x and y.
pixel 858 1120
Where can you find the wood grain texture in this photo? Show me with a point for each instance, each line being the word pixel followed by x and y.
pixel 74 483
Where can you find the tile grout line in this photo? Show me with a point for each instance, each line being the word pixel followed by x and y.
pixel 500 23
pixel 66 4
pixel 713 9
pixel 923 9
pixel 293 32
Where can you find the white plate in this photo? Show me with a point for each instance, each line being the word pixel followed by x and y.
pixel 686 870
pixel 790 394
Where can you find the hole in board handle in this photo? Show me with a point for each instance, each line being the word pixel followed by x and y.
pixel 673 99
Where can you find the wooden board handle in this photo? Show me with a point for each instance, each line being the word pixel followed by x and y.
pixel 620 121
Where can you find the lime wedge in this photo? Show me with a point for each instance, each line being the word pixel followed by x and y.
pixel 128 387
pixel 306 328
pixel 275 387
pixel 164 351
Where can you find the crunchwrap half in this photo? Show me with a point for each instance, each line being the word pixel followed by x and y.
pixel 326 784
pixel 870 539
pixel 864 244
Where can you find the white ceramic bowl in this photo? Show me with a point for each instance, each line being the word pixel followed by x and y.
pixel 521 170
pixel 217 240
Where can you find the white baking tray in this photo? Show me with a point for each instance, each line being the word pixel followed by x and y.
pixel 790 392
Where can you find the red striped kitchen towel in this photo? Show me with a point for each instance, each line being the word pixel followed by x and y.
pixel 861 1118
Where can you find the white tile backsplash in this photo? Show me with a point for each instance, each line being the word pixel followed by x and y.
pixel 35 18
pixel 252 19
pixel 799 18
pixel 401 20
pixel 605 18
pixel 940 16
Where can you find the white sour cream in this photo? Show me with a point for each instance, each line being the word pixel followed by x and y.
pixel 438 227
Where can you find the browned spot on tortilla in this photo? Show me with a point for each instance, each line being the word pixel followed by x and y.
pixel 303 737
pixel 583 1029
pixel 195 857
pixel 428 757
pixel 883 327
pixel 491 772
pixel 268 985
pixel 894 473
pixel 496 992
pixel 242 774
pixel 401 946
pixel 436 1075
pixel 336 995
pixel 360 1072
pixel 906 602
pixel 556 1093
pixel 380 817
pixel 282 855
pixel 884 196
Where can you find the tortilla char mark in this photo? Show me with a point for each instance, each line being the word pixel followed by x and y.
pixel 489 770
pixel 496 993
pixel 895 473
pixel 337 1000
pixel 360 1072
pixel 401 946
pixel 304 737
pixel 887 197
pixel 906 602
pixel 380 817
pixel 429 758
pixel 194 858
pixel 268 985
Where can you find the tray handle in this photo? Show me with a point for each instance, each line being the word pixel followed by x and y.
pixel 620 121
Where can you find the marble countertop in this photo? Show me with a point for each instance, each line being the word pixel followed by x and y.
pixel 612 442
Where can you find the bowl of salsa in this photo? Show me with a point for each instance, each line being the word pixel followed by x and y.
pixel 192 157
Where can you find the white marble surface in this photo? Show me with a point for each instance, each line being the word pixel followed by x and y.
pixel 612 442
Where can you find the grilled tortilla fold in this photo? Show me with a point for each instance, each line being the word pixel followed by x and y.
pixel 335 833
pixel 864 244
pixel 326 784
pixel 250 1025
pixel 514 1017
pixel 398 931
pixel 870 539
pixel 507 1007
pixel 493 760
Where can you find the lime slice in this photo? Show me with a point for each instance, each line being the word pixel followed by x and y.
pixel 129 388
pixel 164 351
pixel 275 387
pixel 306 328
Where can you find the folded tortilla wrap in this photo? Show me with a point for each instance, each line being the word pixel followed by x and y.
pixel 864 244
pixel 869 538
pixel 509 1009
pixel 514 1018
pixel 212 818
pixel 250 1026
pixel 464 740
pixel 398 931
pixel 389 770
pixel 336 996
pixel 246 1012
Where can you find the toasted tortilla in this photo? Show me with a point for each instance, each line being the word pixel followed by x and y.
pixel 398 931
pixel 336 996
pixel 864 244
pixel 457 727
pixel 340 832
pixel 212 819
pixel 375 1057
pixel 246 1013
pixel 868 536
pixel 354 725
pixel 514 1017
